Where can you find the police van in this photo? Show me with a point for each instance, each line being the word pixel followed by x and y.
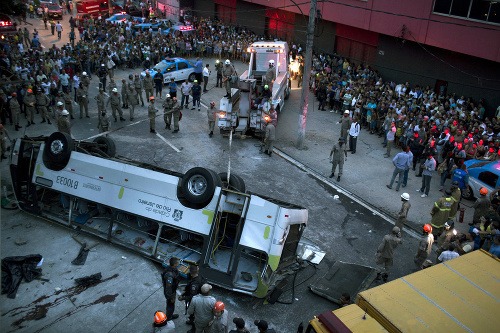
pixel 241 240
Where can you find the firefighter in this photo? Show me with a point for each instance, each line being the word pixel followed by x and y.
pixel 85 80
pixel 63 123
pixel 68 103
pixel 115 101
pixel 112 85
pixel 440 213
pixel 133 99
pixel 148 84
pixel 152 114
pixel 138 87
pixel 338 155
pixel 58 110
pixel 167 111
pixel 82 95
pixel 212 117
pixel 270 75
pixel 218 69
pixel 446 237
pixel 403 212
pixel 227 72
pixel 192 288
pixel 385 253
pixel 481 206
pixel 124 93
pixel 269 137
pixel 176 111
pixel 42 102
pixel 162 324
pixel 424 246
pixel 30 101
pixel 456 195
pixel 103 121
pixel 219 321
pixel 101 101
pixel 15 109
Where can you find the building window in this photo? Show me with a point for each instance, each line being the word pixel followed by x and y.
pixel 480 10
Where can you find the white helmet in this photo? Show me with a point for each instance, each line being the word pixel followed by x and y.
pixel 84 73
pixel 64 113
pixel 227 62
pixel 167 96
pixel 271 62
pixel 115 90
pixel 60 103
pixel 405 196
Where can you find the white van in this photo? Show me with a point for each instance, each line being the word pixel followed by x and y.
pixel 242 241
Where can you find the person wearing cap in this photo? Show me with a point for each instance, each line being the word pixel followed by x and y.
pixel 124 93
pixel 115 100
pixel 85 80
pixel 401 163
pixel 338 155
pixel 263 326
pixel 385 253
pixel 152 111
pixel 4 135
pixel 240 326
pixel 58 109
pixel 161 324
pixel 83 101
pixel 63 123
pixel 170 282
pixel 482 205
pixel 202 308
pixel 196 94
pixel 345 124
pixel 30 101
pixel 270 75
pixel 148 84
pixel 440 213
pixel 424 246
pixel 227 72
pixel 206 75
pixel 15 109
pixel 42 102
pixel 167 110
pixel 68 103
pixel 212 117
pixel 218 69
pixel 403 212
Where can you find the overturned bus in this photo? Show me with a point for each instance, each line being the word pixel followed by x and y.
pixel 241 241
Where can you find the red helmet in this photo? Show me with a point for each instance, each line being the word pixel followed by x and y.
pixel 427 228
pixel 219 306
pixel 483 191
pixel 160 317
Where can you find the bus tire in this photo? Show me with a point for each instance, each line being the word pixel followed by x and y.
pixel 107 145
pixel 198 185
pixel 236 182
pixel 57 151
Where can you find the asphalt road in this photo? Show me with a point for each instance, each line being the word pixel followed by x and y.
pixel 131 289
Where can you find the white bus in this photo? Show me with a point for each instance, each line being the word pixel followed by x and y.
pixel 241 241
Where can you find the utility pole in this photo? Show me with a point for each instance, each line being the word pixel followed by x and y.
pixel 304 99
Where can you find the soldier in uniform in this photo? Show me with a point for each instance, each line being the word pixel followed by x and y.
pixel 167 111
pixel 63 123
pixel 152 114
pixel 133 99
pixel 112 85
pixel 58 110
pixel 212 117
pixel 138 87
pixel 403 212
pixel 176 111
pixel 85 80
pixel 227 72
pixel 68 103
pixel 218 69
pixel 269 137
pixel 148 84
pixel 115 100
pixel 82 96
pixel 440 213
pixel 103 121
pixel 192 288
pixel 270 75
pixel 15 109
pixel 338 155
pixel 42 101
pixel 29 101
pixel 125 93
pixel 424 246
pixel 4 135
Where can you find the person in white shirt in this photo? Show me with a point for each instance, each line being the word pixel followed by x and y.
pixel 353 135
pixel 206 74
pixel 76 83
pixel 449 254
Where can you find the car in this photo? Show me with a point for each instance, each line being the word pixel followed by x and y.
pixel 122 17
pixel 177 68
pixel 155 25
pixel 54 11
pixel 8 27
pixel 184 29
pixel 482 174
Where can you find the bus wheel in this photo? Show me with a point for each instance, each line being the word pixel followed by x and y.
pixel 106 145
pixel 198 185
pixel 235 183
pixel 57 151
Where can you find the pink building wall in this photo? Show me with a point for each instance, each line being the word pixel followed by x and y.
pixel 464 36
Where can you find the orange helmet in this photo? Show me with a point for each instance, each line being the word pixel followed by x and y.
pixel 151 98
pixel 29 90
pixel 219 306
pixel 160 317
pixel 483 191
pixel 427 228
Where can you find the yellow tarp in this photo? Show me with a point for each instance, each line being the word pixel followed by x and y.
pixel 461 295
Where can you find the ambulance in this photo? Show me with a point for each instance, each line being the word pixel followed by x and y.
pixel 242 241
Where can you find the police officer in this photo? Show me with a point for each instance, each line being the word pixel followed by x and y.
pixel 30 101
pixel 440 213
pixel 15 109
pixel 176 111
pixel 196 93
pixel 124 93
pixel 192 288
pixel 148 84
pixel 63 123
pixel 170 281
pixel 424 246
pixel 42 102
pixel 82 96
pixel 115 101
pixel 227 72
pixel 158 81
pixel 68 103
pixel 403 212
pixel 152 114
pixel 138 87
pixel 212 117
pixel 218 69
pixel 270 75
pixel 338 155
pixel 269 137
pixel 167 110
